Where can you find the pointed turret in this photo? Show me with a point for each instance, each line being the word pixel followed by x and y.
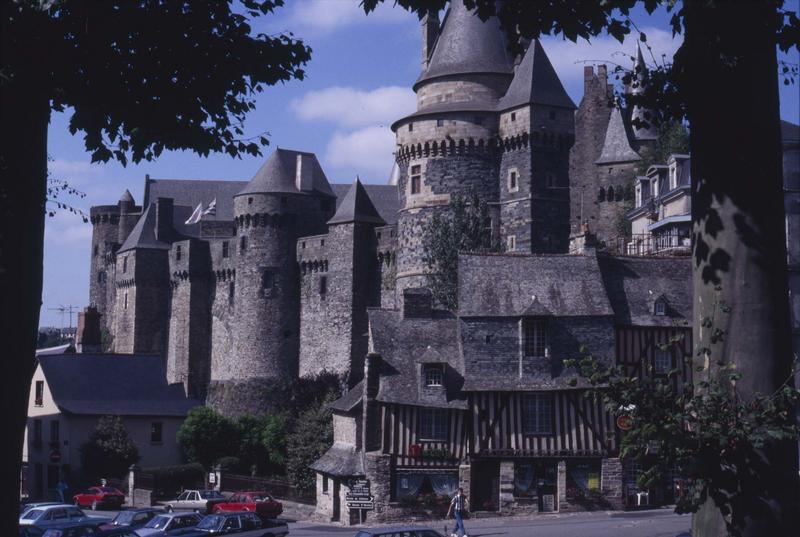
pixel 287 171
pixel 617 147
pixel 467 45
pixel 357 207
pixel 127 197
pixel 641 133
pixel 535 82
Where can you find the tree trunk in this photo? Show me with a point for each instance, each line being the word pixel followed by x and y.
pixel 25 113
pixel 729 76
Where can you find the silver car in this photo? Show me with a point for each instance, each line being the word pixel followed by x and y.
pixel 161 524
pixel 48 516
pixel 199 501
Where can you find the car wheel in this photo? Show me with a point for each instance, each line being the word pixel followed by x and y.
pixel 94 505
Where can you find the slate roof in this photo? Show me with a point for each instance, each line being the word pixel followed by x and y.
pixel 356 207
pixel 401 342
pixel 191 192
pixel 143 234
pixel 617 147
pixel 383 197
pixel 634 283
pixel 562 285
pixel 278 174
pixel 535 81
pixel 124 385
pixel 790 132
pixel 466 44
pixel 340 460
pixel 350 400
pixel 127 196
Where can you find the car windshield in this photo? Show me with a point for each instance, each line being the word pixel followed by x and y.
pixel 124 517
pixel 211 495
pixel 210 522
pixel 260 497
pixel 32 514
pixel 158 523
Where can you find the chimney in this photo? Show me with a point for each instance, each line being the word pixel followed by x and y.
pixel 588 76
pixel 417 303
pixel 164 230
pixel 430 31
pixel 304 173
pixel 87 337
pixel 371 429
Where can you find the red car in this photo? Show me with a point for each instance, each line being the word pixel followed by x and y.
pixel 260 503
pixel 96 497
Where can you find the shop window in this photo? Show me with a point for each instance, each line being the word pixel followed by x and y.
pixel 225 249
pixel 156 432
pixel 535 331
pixel 537 414
pixel 531 476
pixel 662 362
pixel 432 424
pixel 583 478
pixel 39 397
pixel 434 375
pixel 413 486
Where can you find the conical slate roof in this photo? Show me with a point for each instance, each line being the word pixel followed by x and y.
pixel 127 197
pixel 641 133
pixel 535 82
pixel 357 207
pixel 617 146
pixel 143 234
pixel 468 45
pixel 280 172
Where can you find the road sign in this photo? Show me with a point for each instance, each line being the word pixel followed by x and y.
pixel 359 495
pixel 361 505
pixel 624 422
pixel 212 478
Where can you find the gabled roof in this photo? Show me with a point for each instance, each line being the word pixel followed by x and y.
pixel 279 173
pixel 383 197
pixel 635 283
pixel 617 147
pixel 340 460
pixel 123 385
pixel 349 401
pixel 468 45
pixel 535 81
pixel 558 285
pixel 356 207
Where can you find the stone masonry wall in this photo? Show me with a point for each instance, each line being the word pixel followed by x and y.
pixel 609 211
pixel 105 236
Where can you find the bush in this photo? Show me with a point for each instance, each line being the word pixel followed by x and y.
pixel 233 465
pixel 311 438
pixel 206 436
pixel 109 452
pixel 169 480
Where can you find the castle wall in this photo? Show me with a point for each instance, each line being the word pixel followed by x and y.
pixel 386 239
pixel 463 88
pixel 223 304
pixel 105 240
pixel 609 210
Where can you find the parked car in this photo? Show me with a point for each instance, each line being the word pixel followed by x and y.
pixel 199 501
pixel 118 532
pixel 25 506
pixel 132 518
pixel 244 524
pixel 95 497
pixel 30 531
pixel 403 531
pixel 260 503
pixel 56 515
pixel 163 524
pixel 74 530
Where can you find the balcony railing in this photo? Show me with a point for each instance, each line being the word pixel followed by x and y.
pixel 646 244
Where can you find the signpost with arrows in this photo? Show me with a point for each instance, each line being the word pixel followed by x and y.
pixel 359 497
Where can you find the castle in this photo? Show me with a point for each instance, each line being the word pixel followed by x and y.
pixel 242 283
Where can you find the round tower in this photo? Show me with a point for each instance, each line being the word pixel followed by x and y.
pixel 128 215
pixel 288 197
pixel 105 240
pixel 448 146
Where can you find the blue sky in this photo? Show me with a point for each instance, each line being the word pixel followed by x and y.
pixel 358 82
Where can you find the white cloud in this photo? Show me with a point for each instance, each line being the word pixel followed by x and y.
pixel 328 15
pixel 351 107
pixel 568 58
pixel 67 228
pixel 367 151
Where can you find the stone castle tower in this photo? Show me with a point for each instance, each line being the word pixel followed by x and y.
pixel 242 285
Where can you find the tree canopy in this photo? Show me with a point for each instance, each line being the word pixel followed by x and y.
pixel 110 451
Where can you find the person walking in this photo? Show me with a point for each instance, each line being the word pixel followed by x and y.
pixel 458 506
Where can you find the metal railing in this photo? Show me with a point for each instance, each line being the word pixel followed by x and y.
pixel 646 244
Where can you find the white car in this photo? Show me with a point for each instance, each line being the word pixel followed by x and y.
pixel 46 516
pixel 161 524
pixel 199 501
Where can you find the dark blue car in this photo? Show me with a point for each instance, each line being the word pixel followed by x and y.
pixel 400 531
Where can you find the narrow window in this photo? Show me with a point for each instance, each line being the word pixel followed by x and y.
pixel 249 201
pixel 322 242
pixel 323 286
pixel 231 292
pixel 125 264
pixel 243 243
pixel 440 123
pixel 37 432
pixel 535 338
pixel 511 243
pixel 178 253
pixel 663 361
pixel 54 431
pixel 552 114
pixel 125 305
pixel 303 245
pixel 513 186
pixel 225 249
pixel 660 307
pixel 100 277
pixel 156 431
pixel 432 424
pixel 411 127
pixel 537 414
pixel 39 399
pixel 434 375
pixel 267 280
pixel 416 179
pixel 96 250
pixel 325 478
pixel 513 116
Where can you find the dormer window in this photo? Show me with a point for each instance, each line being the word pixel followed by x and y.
pixel 660 306
pixel 673 175
pixel 535 337
pixel 434 375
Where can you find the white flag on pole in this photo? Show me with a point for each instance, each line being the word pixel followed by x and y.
pixel 212 208
pixel 196 215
